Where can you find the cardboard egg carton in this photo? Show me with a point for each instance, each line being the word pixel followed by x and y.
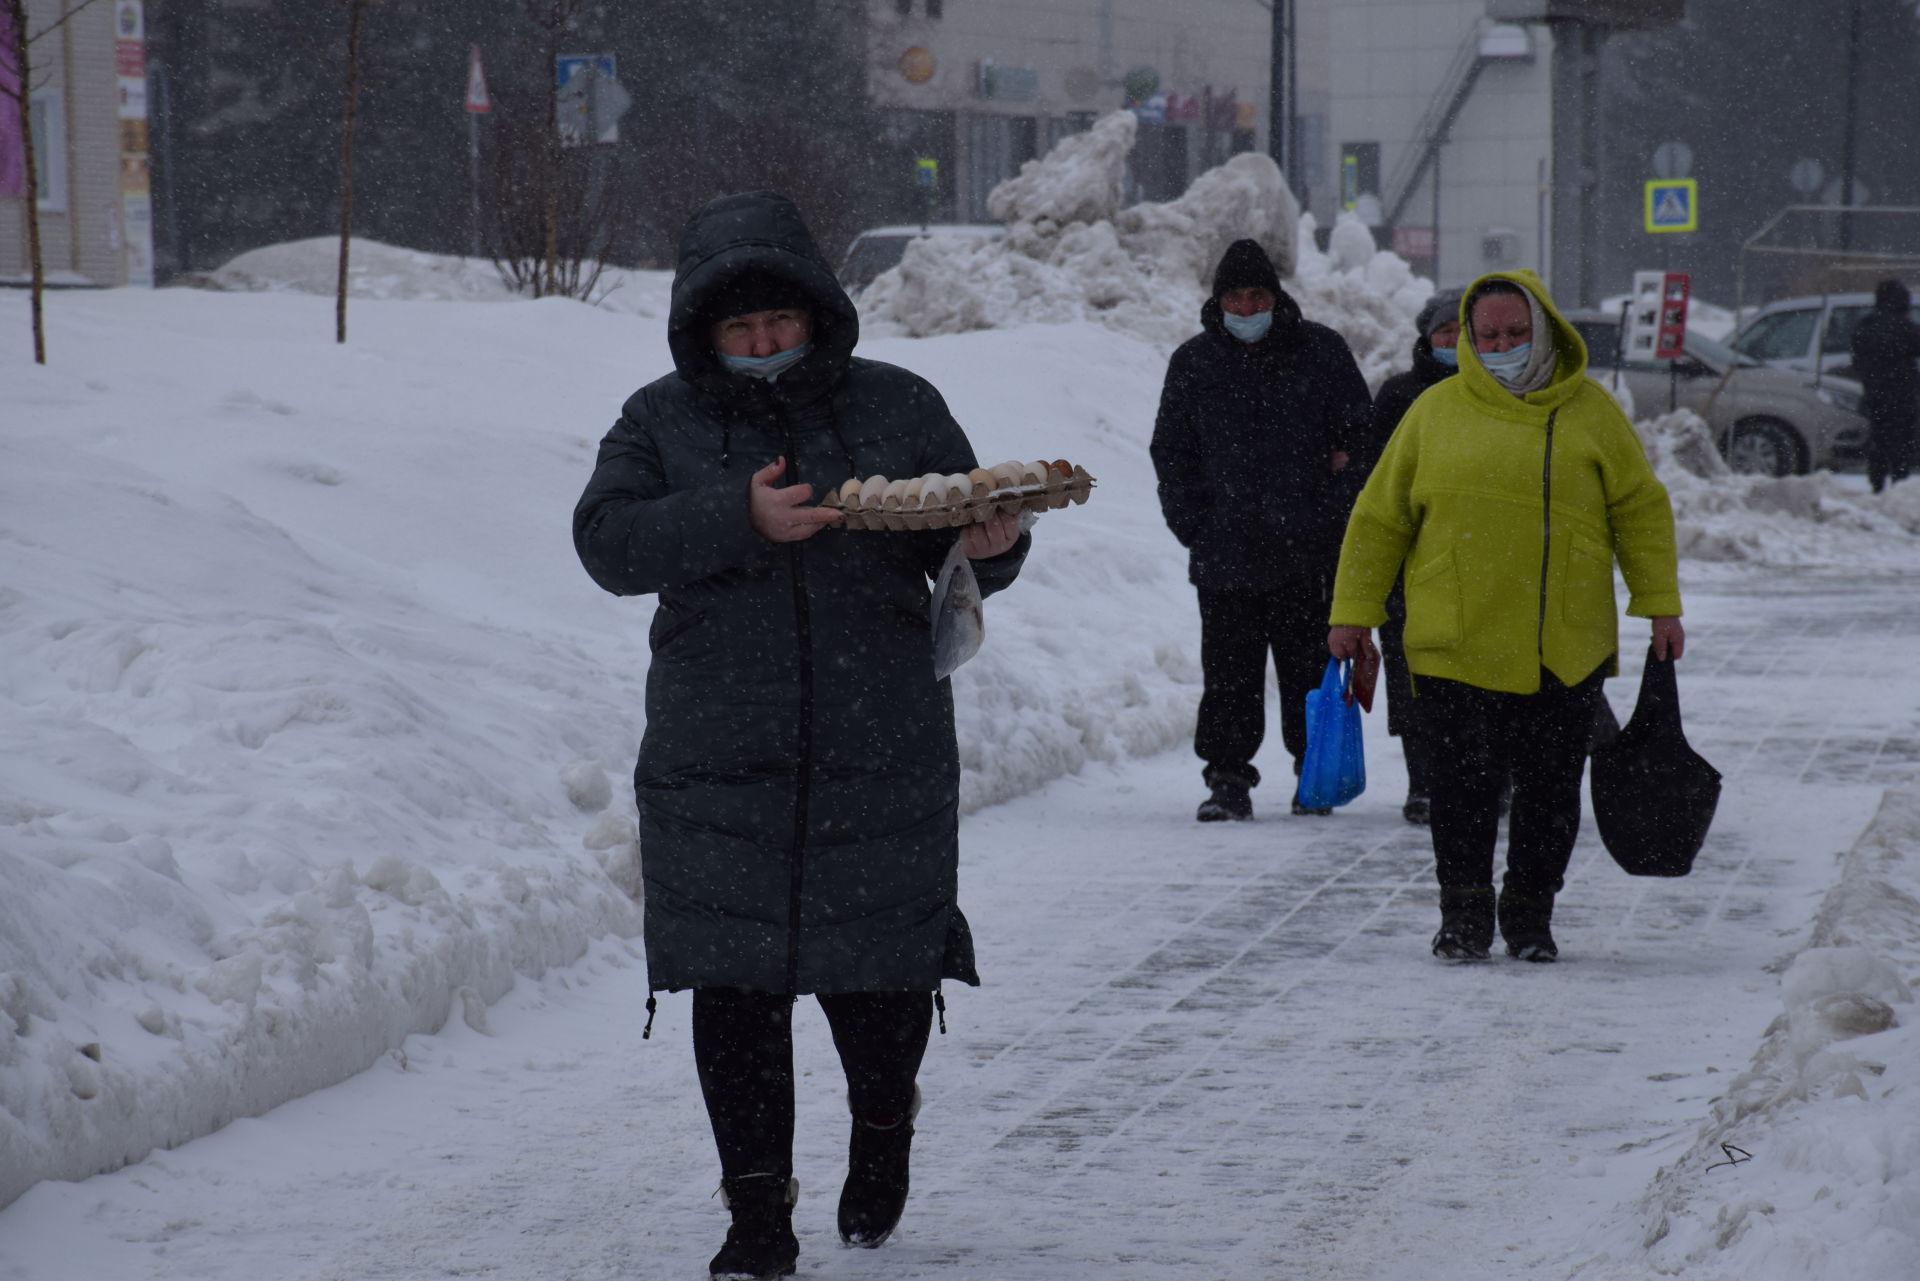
pixel 936 501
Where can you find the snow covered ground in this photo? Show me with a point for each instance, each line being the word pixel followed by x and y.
pixel 313 739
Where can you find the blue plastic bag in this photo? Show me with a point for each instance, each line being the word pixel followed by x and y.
pixel 1334 770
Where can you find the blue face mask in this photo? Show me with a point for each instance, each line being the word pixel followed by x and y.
pixel 1449 356
pixel 1507 365
pixel 767 367
pixel 1248 328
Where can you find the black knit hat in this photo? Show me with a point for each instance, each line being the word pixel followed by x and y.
pixel 1245 264
pixel 1891 295
pixel 754 290
pixel 1443 306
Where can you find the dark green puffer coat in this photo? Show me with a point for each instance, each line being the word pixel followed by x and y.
pixel 798 778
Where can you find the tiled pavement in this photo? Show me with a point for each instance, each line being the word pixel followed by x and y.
pixel 1229 1054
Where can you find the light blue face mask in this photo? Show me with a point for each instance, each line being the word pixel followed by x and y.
pixel 1449 356
pixel 1507 365
pixel 1248 328
pixel 767 367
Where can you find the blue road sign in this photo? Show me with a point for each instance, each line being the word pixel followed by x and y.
pixel 1673 204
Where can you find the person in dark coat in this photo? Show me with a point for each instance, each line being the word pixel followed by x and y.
pixel 1886 342
pixel 1434 359
pixel 798 778
pixel 1260 416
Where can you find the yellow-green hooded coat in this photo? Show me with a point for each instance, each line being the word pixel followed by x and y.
pixel 1508 513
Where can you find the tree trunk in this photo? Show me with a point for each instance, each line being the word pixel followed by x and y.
pixel 551 152
pixel 17 10
pixel 356 11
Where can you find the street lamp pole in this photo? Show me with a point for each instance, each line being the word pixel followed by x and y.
pixel 1279 87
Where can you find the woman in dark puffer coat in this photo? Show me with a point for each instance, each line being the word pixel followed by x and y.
pixel 798 777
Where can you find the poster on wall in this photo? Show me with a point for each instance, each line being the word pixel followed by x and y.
pixel 136 202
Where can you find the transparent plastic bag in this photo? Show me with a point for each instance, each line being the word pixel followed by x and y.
pixel 959 620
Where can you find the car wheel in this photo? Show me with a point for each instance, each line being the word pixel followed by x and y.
pixel 1765 447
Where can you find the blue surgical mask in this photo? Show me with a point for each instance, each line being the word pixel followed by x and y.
pixel 1509 364
pixel 1248 328
pixel 767 367
pixel 1449 356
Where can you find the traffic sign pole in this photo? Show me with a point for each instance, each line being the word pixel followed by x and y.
pixel 478 104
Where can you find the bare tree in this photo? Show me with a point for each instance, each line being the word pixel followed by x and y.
pixel 546 221
pixel 322 45
pixel 552 19
pixel 356 21
pixel 16 82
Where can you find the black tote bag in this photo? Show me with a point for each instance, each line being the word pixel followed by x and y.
pixel 1653 795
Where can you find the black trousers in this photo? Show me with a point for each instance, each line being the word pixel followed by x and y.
pixel 743 1049
pixel 1237 632
pixel 1890 450
pixel 1480 736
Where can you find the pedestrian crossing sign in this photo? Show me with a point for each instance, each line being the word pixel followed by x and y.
pixel 1673 204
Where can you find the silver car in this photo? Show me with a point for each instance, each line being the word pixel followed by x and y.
pixel 1768 421
pixel 1805 333
pixel 879 249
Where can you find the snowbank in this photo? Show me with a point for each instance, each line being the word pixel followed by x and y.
pixel 1072 253
pixel 1788 520
pixel 313 732
pixel 376 270
pixel 1807 1164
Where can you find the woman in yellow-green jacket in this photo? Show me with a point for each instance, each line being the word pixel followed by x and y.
pixel 1508 493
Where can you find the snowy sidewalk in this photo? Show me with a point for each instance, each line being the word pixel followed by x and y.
pixel 1202 1052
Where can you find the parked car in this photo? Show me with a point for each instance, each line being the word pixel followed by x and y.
pixel 1767 420
pixel 879 249
pixel 1806 333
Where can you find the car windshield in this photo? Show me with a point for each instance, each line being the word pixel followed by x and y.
pixel 1714 352
pixel 1602 335
pixel 870 256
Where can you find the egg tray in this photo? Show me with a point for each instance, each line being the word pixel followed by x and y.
pixel 936 501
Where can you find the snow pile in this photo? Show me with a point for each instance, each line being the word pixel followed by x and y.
pixel 1370 296
pixel 1072 253
pixel 1786 520
pixel 316 735
pixel 376 270
pixel 1806 1166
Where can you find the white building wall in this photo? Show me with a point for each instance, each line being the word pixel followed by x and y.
pixel 1386 62
pixel 80 240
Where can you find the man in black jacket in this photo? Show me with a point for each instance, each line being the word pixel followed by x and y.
pixel 1886 342
pixel 798 781
pixel 1260 418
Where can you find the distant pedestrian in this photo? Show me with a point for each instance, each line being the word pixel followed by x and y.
pixel 1434 359
pixel 1508 493
pixel 1261 414
pixel 798 781
pixel 1886 343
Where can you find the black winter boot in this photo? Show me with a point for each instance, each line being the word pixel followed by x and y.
pixel 875 1192
pixel 1526 924
pixel 760 1244
pixel 1229 802
pixel 1466 924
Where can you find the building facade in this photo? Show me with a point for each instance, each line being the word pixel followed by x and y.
pixel 1438 130
pixel 87 93
pixel 972 89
